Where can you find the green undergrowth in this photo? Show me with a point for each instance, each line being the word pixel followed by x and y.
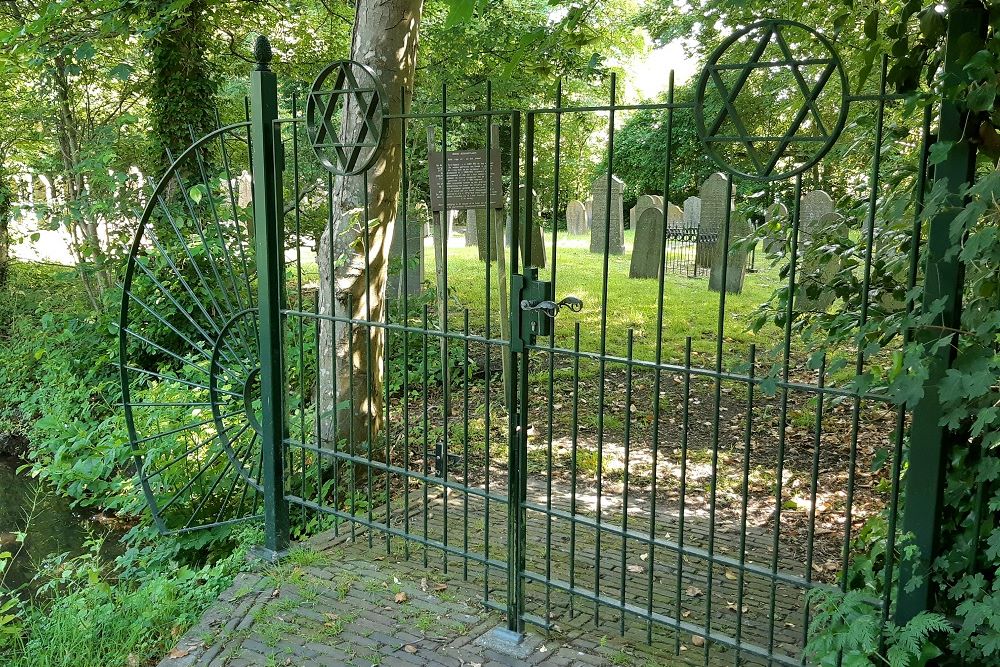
pixel 88 612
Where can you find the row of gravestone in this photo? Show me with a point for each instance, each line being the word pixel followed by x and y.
pixel 703 220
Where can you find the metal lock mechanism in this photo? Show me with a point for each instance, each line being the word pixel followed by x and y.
pixel 536 308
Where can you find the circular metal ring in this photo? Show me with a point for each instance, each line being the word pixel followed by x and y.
pixel 767 155
pixel 354 90
pixel 244 457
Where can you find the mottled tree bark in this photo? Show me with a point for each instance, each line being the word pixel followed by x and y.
pixel 353 283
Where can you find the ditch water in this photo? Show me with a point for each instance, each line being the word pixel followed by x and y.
pixel 54 527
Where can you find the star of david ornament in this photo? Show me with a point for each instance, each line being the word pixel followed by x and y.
pixel 772 100
pixel 344 89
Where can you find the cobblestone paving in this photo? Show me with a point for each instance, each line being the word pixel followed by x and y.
pixel 351 599
pixel 340 603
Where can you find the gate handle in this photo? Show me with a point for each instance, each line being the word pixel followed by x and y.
pixel 551 308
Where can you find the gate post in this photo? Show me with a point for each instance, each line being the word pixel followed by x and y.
pixel 270 270
pixel 943 280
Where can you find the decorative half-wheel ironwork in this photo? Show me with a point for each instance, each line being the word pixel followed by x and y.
pixel 767 136
pixel 345 117
pixel 188 340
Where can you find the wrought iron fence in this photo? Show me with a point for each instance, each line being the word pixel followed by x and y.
pixel 587 458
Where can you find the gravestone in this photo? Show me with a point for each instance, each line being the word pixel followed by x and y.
pixel 537 241
pixel 692 212
pixel 576 218
pixel 414 259
pixel 776 220
pixel 589 205
pixel 244 190
pixel 605 202
pixel 711 218
pixel 734 261
pixel 658 200
pixel 675 216
pixel 647 248
pixel 471 230
pixel 477 218
pixel 813 206
pixel 641 204
pixel 818 271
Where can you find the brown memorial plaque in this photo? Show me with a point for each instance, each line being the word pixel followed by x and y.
pixel 466 180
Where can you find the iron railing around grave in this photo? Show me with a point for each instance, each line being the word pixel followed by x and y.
pixel 664 478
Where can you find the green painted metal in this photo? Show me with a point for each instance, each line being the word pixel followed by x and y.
pixel 553 532
pixel 788 37
pixel 943 283
pixel 269 239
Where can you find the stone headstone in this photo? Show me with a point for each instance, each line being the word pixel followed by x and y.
pixel 733 262
pixel 471 230
pixel 603 203
pixel 647 248
pixel 692 212
pixel 589 205
pixel 244 190
pixel 641 204
pixel 413 267
pixel 576 218
pixel 537 241
pixel 813 206
pixel 712 217
pixel 818 270
pixel 477 218
pixel 658 200
pixel 675 216
pixel 776 222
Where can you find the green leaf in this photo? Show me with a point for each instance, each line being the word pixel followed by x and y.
pixel 459 12
pixel 122 72
pixel 85 51
pixel 982 97
pixel 939 151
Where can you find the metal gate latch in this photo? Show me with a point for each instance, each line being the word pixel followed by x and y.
pixel 536 308
pixel 551 308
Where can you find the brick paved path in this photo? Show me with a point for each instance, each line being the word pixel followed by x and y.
pixel 339 603
pixel 342 601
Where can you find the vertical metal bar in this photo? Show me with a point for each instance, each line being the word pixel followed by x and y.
pixel 603 350
pixel 723 249
pixel 747 452
pixel 622 565
pixel 573 465
pixel 516 409
pixel 685 423
pixel 552 356
pixel 300 344
pixel 270 272
pixel 443 305
pixel 920 189
pixel 783 410
pixel 405 335
pixel 943 283
pixel 658 379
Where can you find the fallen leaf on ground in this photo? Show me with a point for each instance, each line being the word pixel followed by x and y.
pixel 697 640
pixel 402 597
pixel 410 648
pixel 178 653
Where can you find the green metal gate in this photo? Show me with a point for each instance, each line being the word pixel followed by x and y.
pixel 525 423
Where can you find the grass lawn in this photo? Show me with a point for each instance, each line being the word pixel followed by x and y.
pixel 689 307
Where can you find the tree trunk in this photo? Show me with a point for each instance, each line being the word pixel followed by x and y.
pixel 353 284
pixel 6 206
pixel 182 95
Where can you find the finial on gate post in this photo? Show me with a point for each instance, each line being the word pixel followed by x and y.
pixel 262 53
